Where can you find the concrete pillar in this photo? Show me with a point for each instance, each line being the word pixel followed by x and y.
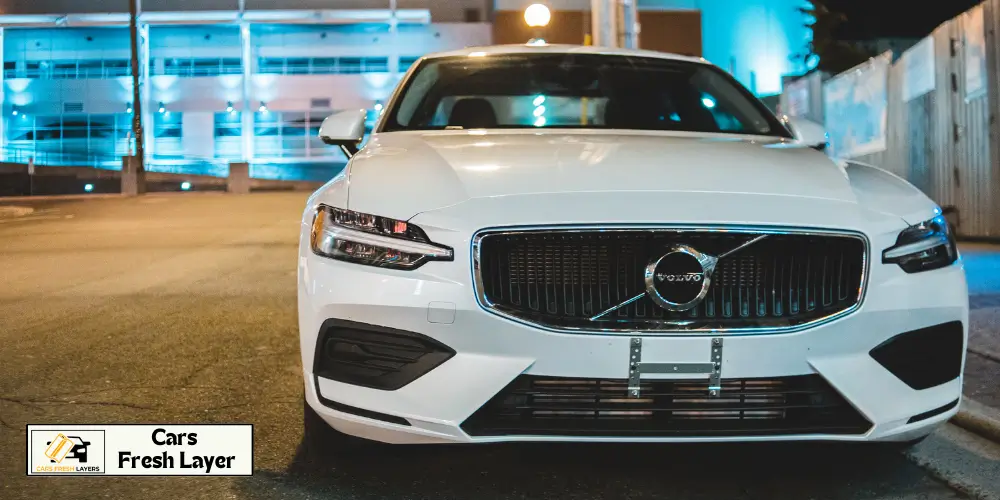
pixel 247 113
pixel 133 176
pixel 3 100
pixel 393 41
pixel 604 22
pixel 239 178
pixel 148 140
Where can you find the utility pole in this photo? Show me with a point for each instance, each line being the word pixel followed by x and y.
pixel 136 95
pixel 629 17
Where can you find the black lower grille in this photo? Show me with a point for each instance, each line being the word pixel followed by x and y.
pixel 924 358
pixel 375 356
pixel 563 278
pixel 551 406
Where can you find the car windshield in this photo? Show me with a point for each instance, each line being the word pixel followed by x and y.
pixel 577 91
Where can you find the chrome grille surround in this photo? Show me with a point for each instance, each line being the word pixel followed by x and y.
pixel 667 327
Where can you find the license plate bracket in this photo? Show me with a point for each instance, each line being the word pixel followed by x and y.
pixel 637 367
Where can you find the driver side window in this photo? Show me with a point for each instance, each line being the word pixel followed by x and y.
pixel 726 121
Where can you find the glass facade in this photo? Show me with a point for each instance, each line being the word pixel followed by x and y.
pixel 322 65
pixel 228 136
pixel 168 135
pixel 195 111
pixel 198 66
pixel 67 69
pixel 89 139
pixel 290 134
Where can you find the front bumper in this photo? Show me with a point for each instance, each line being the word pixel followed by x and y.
pixel 491 352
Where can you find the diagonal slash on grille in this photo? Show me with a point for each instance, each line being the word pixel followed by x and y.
pixel 619 306
pixel 641 295
pixel 741 247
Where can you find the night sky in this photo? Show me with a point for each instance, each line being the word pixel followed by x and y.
pixel 895 18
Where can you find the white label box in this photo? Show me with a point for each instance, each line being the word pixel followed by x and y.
pixel 140 450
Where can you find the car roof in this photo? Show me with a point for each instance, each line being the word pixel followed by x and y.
pixel 560 49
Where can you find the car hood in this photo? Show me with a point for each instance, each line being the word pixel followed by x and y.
pixel 403 174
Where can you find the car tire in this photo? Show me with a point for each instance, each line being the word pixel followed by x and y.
pixel 320 439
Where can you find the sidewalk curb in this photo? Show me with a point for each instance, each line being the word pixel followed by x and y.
pixel 978 418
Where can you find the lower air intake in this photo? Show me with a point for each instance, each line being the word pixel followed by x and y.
pixel 374 356
pixel 551 406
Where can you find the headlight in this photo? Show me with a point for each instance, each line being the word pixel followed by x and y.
pixel 372 240
pixel 925 246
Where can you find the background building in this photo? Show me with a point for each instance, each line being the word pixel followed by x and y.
pixel 251 80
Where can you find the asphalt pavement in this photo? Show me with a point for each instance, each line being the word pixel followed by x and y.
pixel 181 308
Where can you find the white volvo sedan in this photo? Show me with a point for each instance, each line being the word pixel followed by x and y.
pixel 558 243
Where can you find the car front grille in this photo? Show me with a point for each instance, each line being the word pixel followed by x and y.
pixel 552 406
pixel 561 279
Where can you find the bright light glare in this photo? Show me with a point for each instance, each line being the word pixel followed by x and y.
pixel 539 100
pixel 477 54
pixel 539 111
pixel 15 112
pixel 537 15
pixel 540 122
pixel 262 108
pixel 88 187
pixel 708 102
pixel 378 106
pixel 185 186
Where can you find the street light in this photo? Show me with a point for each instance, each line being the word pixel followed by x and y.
pixel 537 15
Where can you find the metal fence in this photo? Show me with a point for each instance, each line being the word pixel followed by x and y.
pixel 932 121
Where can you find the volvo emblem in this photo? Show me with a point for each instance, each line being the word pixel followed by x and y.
pixel 680 279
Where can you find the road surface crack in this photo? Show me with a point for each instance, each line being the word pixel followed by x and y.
pixel 983 354
pixel 252 403
pixel 36 403
pixel 24 403
pixel 137 388
pixel 201 369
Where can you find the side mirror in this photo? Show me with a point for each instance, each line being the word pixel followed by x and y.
pixel 807 132
pixel 345 129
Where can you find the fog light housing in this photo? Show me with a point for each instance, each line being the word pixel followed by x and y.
pixel 374 356
pixel 924 358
